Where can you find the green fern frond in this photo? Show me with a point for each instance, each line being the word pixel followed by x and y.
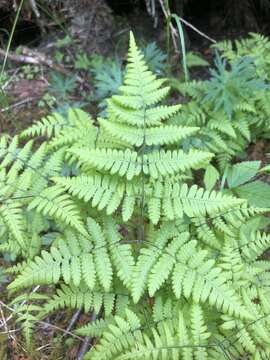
pixel 75 298
pixel 121 254
pixel 95 328
pixel 12 215
pixel 53 202
pixel 141 117
pixel 174 200
pixel 192 275
pixel 93 260
pixel 169 134
pixel 254 246
pixel 28 313
pixel 183 274
pixel 130 164
pixel 48 126
pixel 126 338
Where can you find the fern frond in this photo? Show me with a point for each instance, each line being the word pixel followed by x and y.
pixel 130 164
pixel 254 246
pixel 48 126
pixel 101 257
pixel 12 215
pixel 52 202
pixel 168 339
pixel 28 313
pixel 174 200
pixel 75 259
pixel 169 134
pixel 141 117
pixel 95 328
pixel 122 255
pixel 75 298
pixel 193 276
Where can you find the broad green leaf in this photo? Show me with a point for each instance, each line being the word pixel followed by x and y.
pixel 257 193
pixel 242 172
pixel 211 176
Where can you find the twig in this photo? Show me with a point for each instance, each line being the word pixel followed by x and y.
pixel 14 5
pixel 34 8
pixel 84 348
pixel 43 347
pixel 29 56
pixel 9 331
pixel 174 32
pixel 74 319
pixel 4 321
pixel 45 323
pixel 23 302
pixel 60 329
pixel 197 30
pixel 19 103
pixel 87 341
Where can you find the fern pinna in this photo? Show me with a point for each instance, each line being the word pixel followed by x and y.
pixel 170 270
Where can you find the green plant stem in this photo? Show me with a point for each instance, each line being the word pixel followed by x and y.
pixel 182 44
pixel 168 35
pixel 11 38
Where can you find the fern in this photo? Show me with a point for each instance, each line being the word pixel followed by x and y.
pixel 110 215
pixel 223 108
pixel 75 298
pixel 225 89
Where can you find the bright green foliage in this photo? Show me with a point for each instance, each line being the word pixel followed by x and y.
pixel 256 46
pixel 168 269
pixel 240 180
pixel 28 313
pixel 75 297
pixel 241 173
pixel 226 88
pixel 232 108
pixel 108 73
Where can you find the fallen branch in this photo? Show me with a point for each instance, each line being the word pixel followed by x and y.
pixel 87 341
pixel 74 319
pixel 84 348
pixel 17 104
pixel 34 57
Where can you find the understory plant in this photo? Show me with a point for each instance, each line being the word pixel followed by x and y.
pixel 232 107
pixel 106 215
